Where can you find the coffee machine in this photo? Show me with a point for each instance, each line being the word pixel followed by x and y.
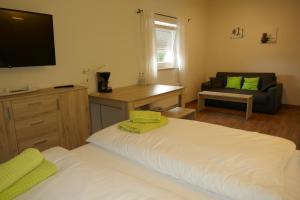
pixel 102 78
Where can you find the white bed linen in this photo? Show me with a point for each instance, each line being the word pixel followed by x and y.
pixel 234 163
pixel 100 157
pixel 80 180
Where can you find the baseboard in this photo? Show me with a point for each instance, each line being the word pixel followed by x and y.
pixel 291 106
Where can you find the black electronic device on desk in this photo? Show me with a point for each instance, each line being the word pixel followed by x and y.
pixel 103 78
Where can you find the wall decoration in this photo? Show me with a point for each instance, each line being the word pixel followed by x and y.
pixel 269 37
pixel 237 33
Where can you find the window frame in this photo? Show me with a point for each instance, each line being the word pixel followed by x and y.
pixel 171 27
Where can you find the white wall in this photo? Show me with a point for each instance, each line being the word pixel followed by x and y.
pixel 248 55
pixel 92 33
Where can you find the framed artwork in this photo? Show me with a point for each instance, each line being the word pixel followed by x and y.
pixel 269 37
pixel 237 33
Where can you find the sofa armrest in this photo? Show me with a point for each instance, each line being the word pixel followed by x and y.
pixel 205 86
pixel 276 96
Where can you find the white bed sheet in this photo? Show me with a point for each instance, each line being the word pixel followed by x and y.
pixel 103 158
pixel 233 163
pixel 69 184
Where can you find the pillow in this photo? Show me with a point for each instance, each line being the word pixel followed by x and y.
pixel 215 82
pixel 250 83
pixel 234 82
pixel 268 86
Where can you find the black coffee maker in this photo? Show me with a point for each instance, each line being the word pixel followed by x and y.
pixel 102 78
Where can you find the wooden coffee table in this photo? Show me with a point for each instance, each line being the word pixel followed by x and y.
pixel 241 98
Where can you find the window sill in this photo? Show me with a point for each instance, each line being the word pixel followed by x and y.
pixel 166 68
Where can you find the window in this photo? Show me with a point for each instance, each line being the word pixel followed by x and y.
pixel 165 34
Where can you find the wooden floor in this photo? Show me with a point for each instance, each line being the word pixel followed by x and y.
pixel 286 123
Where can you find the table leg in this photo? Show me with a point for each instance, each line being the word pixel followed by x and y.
pixel 249 108
pixel 201 102
pixel 180 100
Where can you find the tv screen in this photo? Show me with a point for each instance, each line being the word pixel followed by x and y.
pixel 26 39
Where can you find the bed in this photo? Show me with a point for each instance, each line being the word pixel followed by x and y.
pixel 114 168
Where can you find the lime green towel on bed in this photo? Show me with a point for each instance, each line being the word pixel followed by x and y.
pixel 144 116
pixel 142 127
pixel 19 166
pixel 39 174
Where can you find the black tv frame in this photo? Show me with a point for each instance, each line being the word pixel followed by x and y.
pixel 52 30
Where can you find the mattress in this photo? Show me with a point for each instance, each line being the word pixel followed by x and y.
pixel 100 157
pixel 234 163
pixel 94 162
pixel 92 172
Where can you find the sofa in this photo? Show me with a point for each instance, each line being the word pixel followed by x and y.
pixel 267 99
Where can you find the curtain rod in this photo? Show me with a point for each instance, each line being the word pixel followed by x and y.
pixel 165 15
pixel 139 11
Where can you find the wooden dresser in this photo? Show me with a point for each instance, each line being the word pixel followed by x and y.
pixel 43 119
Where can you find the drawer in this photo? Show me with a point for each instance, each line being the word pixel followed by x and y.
pixel 34 106
pixel 41 142
pixel 37 126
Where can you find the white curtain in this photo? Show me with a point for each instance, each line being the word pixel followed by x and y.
pixel 181 54
pixel 149 64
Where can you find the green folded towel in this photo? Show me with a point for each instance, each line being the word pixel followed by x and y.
pixel 144 116
pixel 19 166
pixel 133 127
pixel 39 174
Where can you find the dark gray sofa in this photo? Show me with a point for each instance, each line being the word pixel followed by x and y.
pixel 266 100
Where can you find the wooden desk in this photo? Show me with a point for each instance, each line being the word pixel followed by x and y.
pixel 110 108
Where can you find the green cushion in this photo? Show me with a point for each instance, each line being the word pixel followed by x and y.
pixel 250 83
pixel 234 82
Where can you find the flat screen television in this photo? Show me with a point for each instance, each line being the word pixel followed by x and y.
pixel 26 39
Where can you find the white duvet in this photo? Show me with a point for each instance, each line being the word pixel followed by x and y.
pixel 79 180
pixel 238 164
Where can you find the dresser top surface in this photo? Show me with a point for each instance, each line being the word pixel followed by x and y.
pixel 137 92
pixel 44 91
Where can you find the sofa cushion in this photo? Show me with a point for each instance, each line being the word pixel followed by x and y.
pixel 215 83
pixel 258 96
pixel 265 78
pixel 267 86
pixel 251 83
pixel 234 82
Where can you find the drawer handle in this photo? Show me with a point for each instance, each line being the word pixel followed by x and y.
pixel 40 142
pixel 8 114
pixel 34 104
pixel 37 123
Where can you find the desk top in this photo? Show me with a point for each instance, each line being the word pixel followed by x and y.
pixel 137 92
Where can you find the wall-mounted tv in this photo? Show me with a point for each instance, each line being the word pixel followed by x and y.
pixel 26 39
